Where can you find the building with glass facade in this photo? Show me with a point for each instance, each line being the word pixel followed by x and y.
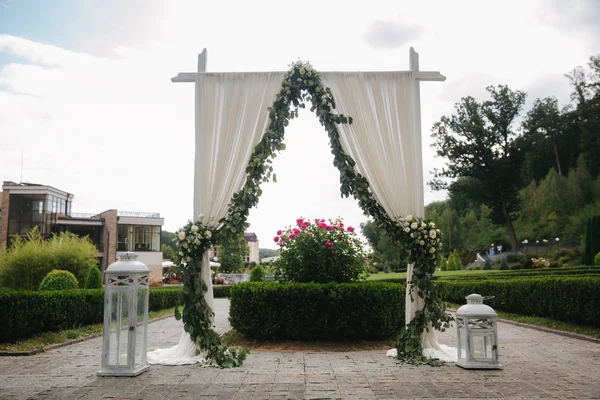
pixel 26 205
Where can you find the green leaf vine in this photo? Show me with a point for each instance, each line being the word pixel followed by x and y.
pixel 302 84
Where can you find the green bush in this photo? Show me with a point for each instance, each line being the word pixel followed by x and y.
pixel 320 251
pixel 28 260
pixel 257 274
pixel 307 311
pixel 454 263
pixel 26 313
pixel 597 259
pixel 59 280
pixel 570 299
pixel 221 291
pixel 94 278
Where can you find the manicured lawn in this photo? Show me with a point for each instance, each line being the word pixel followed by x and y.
pixel 402 275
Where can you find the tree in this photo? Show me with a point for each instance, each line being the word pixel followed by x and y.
pixel 478 141
pixel 388 253
pixel 94 279
pixel 231 254
pixel 168 252
pixel 264 253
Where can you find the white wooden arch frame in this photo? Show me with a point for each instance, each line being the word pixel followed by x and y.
pixel 413 57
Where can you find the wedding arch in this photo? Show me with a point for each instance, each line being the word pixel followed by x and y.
pixel 373 121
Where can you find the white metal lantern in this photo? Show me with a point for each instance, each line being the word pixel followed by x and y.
pixel 477 335
pixel 125 338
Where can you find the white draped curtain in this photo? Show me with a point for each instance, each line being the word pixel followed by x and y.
pixel 384 140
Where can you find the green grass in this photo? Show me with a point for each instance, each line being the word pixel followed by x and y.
pixel 402 275
pixel 49 338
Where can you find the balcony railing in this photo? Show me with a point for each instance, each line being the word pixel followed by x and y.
pixel 138 214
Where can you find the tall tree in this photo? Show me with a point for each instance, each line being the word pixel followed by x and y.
pixel 478 141
pixel 231 254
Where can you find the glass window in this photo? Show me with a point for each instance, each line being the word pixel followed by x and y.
pixel 138 238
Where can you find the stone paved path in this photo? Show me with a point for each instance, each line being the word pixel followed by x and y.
pixel 536 365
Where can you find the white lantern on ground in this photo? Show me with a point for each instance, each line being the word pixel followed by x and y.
pixel 125 337
pixel 477 335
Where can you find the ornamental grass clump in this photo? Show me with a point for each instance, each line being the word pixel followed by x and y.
pixel 320 251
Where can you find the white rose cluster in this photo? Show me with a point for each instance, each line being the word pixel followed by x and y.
pixel 424 234
pixel 193 239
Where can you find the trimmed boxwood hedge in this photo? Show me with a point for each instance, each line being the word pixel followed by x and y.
pixel 25 313
pixel 270 310
pixel 571 299
pixel 221 291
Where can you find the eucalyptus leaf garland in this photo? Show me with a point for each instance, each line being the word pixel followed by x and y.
pixel 302 84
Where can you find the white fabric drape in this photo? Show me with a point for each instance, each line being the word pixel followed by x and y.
pixel 231 118
pixel 384 138
pixel 385 141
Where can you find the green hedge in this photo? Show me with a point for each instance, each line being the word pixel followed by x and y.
pixel 369 310
pixel 571 299
pixel 221 291
pixel 26 313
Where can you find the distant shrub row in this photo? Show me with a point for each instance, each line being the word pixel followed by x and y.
pixel 368 310
pixel 571 299
pixel 26 313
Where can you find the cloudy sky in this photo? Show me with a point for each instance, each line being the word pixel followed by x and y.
pixel 87 105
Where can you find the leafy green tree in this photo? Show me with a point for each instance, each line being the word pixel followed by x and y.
pixel 94 279
pixel 231 255
pixel 265 253
pixel 168 252
pixel 478 141
pixel 388 253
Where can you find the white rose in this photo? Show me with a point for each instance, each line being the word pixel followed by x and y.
pixel 413 225
pixel 201 217
pixel 407 229
pixel 317 89
pixel 208 234
pixel 185 245
pixel 423 225
pixel 432 250
pixel 298 63
pixel 188 258
pixel 432 234
pixel 309 67
pixel 408 218
pixel 181 235
pixel 298 79
pixel 302 71
pixel 431 225
pixel 195 228
pixel 422 242
pixel 181 253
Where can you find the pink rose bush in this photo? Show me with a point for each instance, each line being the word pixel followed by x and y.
pixel 320 251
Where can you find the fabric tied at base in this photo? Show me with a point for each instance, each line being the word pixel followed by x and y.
pixel 443 353
pixel 182 353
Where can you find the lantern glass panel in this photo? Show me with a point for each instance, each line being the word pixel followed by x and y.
pixel 482 348
pixel 462 343
pixel 119 328
pixel 141 326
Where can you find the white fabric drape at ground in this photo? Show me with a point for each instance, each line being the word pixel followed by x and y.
pixel 231 117
pixel 384 140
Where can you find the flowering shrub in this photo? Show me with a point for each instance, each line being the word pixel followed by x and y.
pixel 540 262
pixel 320 251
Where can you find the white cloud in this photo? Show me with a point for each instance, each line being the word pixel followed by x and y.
pixel 108 125
pixel 386 34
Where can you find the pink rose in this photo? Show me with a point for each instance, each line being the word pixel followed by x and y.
pixel 296 230
pixel 350 229
pixel 299 221
pixel 280 232
pixel 328 244
pixel 327 228
pixel 276 238
pixel 293 236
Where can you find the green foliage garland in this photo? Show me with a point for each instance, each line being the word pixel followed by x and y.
pixel 302 83
pixel 193 240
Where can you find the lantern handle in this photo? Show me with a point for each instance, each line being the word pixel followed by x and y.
pixel 488 297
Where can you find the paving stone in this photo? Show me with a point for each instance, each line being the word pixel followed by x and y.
pixel 536 365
